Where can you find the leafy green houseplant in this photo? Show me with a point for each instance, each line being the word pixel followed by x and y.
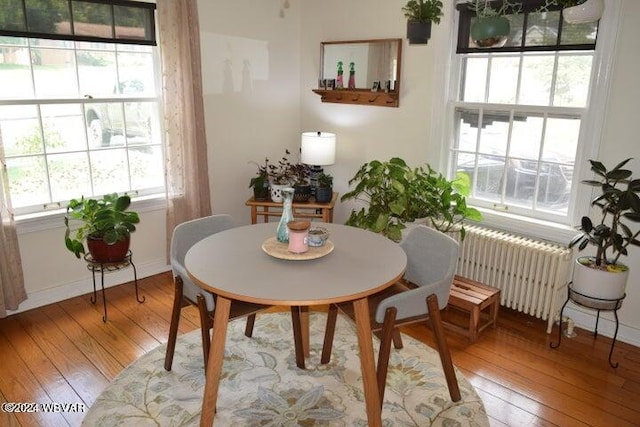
pixel 281 173
pixel 396 194
pixel 280 176
pixel 420 15
pixel 103 222
pixel 260 182
pixel 324 192
pixel 301 183
pixel 612 234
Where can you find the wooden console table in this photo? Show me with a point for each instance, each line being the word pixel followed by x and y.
pixel 310 209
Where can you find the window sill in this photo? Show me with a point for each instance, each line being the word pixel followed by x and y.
pixel 54 219
pixel 546 230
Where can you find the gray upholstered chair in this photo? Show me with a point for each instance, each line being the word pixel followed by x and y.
pixel 185 235
pixel 423 292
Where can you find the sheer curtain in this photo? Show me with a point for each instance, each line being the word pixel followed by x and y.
pixel 12 291
pixel 185 140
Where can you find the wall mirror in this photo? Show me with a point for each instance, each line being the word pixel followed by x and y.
pixel 376 64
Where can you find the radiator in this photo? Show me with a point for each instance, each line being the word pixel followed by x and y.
pixel 530 274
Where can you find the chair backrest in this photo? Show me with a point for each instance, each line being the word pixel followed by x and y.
pixel 189 233
pixel 432 257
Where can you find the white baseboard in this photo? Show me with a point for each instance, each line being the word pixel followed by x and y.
pixel 606 325
pixel 84 286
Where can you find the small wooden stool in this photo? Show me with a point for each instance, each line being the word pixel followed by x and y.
pixel 473 297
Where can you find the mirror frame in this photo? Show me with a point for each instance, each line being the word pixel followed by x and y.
pixel 362 96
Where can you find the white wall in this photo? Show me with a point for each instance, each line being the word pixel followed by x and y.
pixel 410 131
pixel 261 111
pixel 52 273
pixel 620 139
pixel 365 133
pixel 259 115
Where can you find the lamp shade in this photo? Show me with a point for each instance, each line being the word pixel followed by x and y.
pixel 318 148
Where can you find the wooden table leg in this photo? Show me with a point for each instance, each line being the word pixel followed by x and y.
pixel 297 336
pixel 304 323
pixel 367 363
pixel 214 365
pixel 254 214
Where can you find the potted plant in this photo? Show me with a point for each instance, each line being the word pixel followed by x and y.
pixel 420 14
pixel 491 28
pixel 280 176
pixel 301 182
pixel 396 195
pixel 106 224
pixel 324 192
pixel 581 11
pixel 260 182
pixel 602 276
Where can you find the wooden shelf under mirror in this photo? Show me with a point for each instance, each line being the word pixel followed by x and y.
pixel 377 64
pixel 359 96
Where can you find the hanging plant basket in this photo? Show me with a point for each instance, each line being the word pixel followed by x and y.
pixel 418 32
pixel 589 11
pixel 490 31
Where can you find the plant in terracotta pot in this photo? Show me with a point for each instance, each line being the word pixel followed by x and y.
pixel 420 14
pixel 260 182
pixel 603 276
pixel 106 224
pixel 324 192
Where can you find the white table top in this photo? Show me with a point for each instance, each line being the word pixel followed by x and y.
pixel 233 264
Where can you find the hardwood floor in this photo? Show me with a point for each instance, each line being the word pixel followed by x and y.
pixel 64 353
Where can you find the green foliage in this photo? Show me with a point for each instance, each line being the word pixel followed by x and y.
pixel 107 218
pixel 568 3
pixel 262 175
pixel 325 180
pixel 485 9
pixel 423 10
pixel 618 202
pixel 281 172
pixel 396 194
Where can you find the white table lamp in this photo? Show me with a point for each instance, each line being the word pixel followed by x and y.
pixel 317 149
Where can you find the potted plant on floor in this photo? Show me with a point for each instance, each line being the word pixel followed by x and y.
pixel 603 277
pixel 260 182
pixel 420 15
pixel 397 195
pixel 324 192
pixel 106 224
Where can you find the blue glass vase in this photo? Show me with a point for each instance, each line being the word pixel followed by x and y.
pixel 282 234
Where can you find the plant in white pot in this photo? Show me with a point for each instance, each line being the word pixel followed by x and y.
pixel 603 276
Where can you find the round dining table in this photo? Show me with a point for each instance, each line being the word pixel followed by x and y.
pixel 245 264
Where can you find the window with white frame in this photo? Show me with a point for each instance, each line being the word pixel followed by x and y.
pixel 519 113
pixel 79 115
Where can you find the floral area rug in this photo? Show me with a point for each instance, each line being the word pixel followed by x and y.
pixel 261 385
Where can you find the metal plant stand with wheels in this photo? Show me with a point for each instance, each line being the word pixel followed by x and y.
pixel 598 304
pixel 95 266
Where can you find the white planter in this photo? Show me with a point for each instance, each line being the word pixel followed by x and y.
pixel 276 192
pixel 589 11
pixel 601 284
